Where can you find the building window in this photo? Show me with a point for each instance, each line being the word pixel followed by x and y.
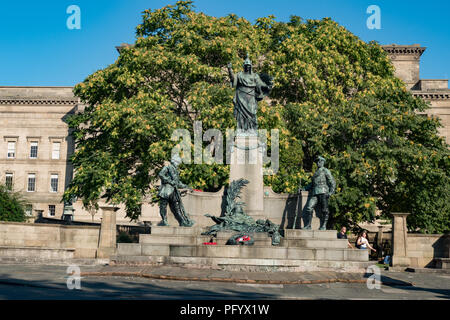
pixel 55 150
pixel 29 210
pixel 9 181
pixel 31 182
pixel 54 183
pixel 51 210
pixel 33 150
pixel 11 149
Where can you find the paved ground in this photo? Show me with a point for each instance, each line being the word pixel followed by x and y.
pixel 108 282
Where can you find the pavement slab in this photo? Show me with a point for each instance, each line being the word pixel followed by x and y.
pixel 197 274
pixel 219 274
pixel 239 275
pixel 112 282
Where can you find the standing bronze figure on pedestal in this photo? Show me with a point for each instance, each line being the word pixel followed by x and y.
pixel 250 88
pixel 170 194
pixel 320 189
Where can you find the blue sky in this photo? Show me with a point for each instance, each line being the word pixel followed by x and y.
pixel 37 48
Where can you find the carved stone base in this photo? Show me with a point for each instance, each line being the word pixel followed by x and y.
pixel 247 163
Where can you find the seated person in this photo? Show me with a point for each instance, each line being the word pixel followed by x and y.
pixel 343 235
pixel 362 242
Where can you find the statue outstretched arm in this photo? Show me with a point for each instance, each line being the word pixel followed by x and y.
pixel 264 84
pixel 181 185
pixel 231 74
pixel 260 82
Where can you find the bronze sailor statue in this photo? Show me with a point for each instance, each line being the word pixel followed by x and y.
pixel 169 194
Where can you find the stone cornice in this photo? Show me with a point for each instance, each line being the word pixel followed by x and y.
pixel 37 101
pixel 55 164
pixel 432 95
pixel 393 49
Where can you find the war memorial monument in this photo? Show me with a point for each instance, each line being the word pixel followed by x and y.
pixel 242 223
pixel 243 237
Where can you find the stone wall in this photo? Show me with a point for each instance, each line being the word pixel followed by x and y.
pixel 423 248
pixel 416 250
pixel 84 239
pixel 432 84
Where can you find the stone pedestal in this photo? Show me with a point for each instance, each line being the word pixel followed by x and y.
pixel 107 242
pixel 400 240
pixel 247 163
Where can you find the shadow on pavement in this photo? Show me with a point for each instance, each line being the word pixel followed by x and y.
pixel 114 288
pixel 409 286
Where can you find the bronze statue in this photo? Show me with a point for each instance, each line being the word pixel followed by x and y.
pixel 250 88
pixel 68 209
pixel 235 218
pixel 169 194
pixel 320 189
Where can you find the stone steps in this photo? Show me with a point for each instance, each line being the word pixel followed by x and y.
pixel 61 261
pixel 246 265
pixel 292 238
pixel 221 238
pixel 308 234
pixel 177 231
pixel 260 240
pixel 244 252
pixel 299 250
pixel 288 233
pixel 315 243
pixel 258 252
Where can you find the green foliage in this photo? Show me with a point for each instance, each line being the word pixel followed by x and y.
pixel 334 95
pixel 11 206
pixel 343 102
pixel 124 237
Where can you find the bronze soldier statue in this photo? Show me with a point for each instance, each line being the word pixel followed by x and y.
pixel 320 189
pixel 169 194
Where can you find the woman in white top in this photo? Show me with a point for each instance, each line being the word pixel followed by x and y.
pixel 362 242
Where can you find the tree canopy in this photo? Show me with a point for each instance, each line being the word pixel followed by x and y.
pixel 11 206
pixel 334 95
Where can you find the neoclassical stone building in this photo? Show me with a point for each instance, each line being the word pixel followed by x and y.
pixel 35 144
pixel 35 141
pixel 406 60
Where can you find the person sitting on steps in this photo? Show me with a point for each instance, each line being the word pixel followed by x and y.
pixel 362 242
pixel 343 235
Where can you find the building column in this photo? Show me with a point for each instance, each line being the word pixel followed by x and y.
pixel 107 241
pixel 400 240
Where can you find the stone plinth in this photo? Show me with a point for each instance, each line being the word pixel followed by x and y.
pixel 400 240
pixel 299 250
pixel 107 242
pixel 247 162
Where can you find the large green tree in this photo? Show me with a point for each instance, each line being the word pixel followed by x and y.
pixel 334 95
pixel 11 206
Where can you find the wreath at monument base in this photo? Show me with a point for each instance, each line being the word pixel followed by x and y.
pixel 244 239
